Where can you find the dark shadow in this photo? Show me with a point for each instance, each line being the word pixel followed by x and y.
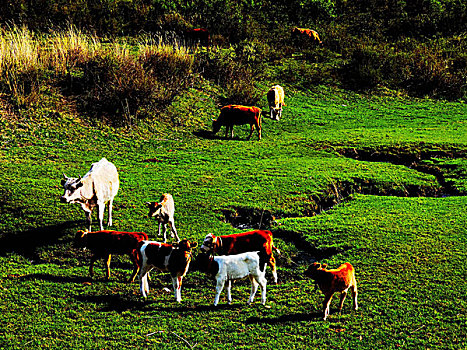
pixel 114 302
pixel 27 243
pixel 206 134
pixel 285 318
pixel 51 278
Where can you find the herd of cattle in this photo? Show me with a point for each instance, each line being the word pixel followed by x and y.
pixel 226 257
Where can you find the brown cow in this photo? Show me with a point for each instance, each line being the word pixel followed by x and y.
pixel 335 280
pixel 198 35
pixel 238 115
pixel 174 258
pixel 104 243
pixel 304 35
pixel 258 240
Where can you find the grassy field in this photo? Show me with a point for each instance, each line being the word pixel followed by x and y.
pixel 398 225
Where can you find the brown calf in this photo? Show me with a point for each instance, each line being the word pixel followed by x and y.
pixel 335 280
pixel 104 243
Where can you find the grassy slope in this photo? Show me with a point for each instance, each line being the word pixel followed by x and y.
pixel 294 161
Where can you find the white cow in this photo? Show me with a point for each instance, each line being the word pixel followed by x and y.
pixel 164 211
pixel 98 187
pixel 226 268
pixel 275 97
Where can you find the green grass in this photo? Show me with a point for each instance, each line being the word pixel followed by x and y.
pixel 408 252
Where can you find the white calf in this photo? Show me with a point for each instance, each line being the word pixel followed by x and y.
pixel 232 267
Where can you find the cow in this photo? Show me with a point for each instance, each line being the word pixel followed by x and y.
pixel 304 35
pixel 164 211
pixel 335 280
pixel 257 240
pixel 98 187
pixel 174 258
pixel 275 98
pixel 238 115
pixel 103 244
pixel 198 35
pixel 226 268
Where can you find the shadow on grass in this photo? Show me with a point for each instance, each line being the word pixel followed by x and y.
pixel 27 243
pixel 51 278
pixel 285 318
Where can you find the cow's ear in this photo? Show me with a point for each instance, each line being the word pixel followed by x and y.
pixel 194 244
pixel 79 184
pixel 63 182
pixel 148 204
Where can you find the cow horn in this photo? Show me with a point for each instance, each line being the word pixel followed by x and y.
pixel 79 177
pixel 65 177
pixel 213 119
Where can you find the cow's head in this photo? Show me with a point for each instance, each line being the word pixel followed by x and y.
pixel 313 269
pixel 71 186
pixel 185 245
pixel 209 243
pixel 216 126
pixel 80 239
pixel 154 209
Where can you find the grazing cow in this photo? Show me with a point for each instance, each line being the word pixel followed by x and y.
pixel 173 258
pixel 198 35
pixel 238 115
pixel 96 188
pixel 164 211
pixel 226 268
pixel 104 243
pixel 335 280
pixel 304 35
pixel 258 240
pixel 275 97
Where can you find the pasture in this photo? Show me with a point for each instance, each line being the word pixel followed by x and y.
pixel 376 181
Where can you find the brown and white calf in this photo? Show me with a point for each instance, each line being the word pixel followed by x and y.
pixel 164 212
pixel 226 268
pixel 103 244
pixel 335 280
pixel 275 98
pixel 174 258
pixel 257 240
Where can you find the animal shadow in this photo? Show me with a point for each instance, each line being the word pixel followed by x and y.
pixel 285 318
pixel 27 243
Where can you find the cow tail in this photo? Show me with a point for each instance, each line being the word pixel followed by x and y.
pixel 277 250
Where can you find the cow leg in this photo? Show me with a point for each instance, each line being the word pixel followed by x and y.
pixel 219 287
pixel 159 230
pixel 326 304
pixel 279 114
pixel 354 295
pixel 134 259
pixel 231 132
pixel 252 127
pixel 228 288
pixel 88 213
pixel 262 283
pixel 109 222
pixel 100 214
pixel 174 230
pixel 271 113
pixel 177 284
pixel 226 131
pixel 341 303
pixel 107 266
pixel 164 226
pixel 254 288
pixel 91 265
pixel 272 263
pixel 143 280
